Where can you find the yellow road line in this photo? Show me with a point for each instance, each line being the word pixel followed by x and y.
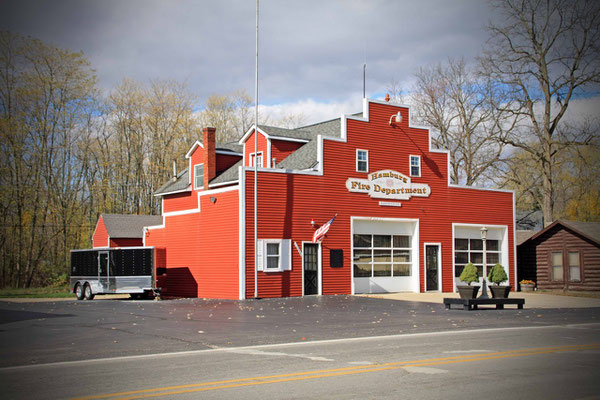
pixel 261 380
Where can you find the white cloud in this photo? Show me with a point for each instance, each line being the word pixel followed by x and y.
pixel 312 111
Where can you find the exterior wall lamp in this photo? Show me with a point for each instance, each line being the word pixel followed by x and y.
pixel 396 119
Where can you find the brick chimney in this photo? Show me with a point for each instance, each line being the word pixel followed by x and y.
pixel 208 140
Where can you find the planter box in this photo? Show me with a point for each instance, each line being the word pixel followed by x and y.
pixel 467 292
pixel 527 287
pixel 500 292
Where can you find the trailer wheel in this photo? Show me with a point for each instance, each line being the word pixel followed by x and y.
pixel 79 291
pixel 88 292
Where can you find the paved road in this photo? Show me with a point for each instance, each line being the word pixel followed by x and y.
pixel 78 349
pixel 556 362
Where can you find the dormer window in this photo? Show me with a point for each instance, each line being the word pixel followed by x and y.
pixel 259 159
pixel 198 176
pixel 415 166
pixel 362 161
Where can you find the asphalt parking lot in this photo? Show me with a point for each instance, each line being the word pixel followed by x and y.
pixel 55 331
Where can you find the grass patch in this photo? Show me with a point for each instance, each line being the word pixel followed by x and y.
pixel 44 292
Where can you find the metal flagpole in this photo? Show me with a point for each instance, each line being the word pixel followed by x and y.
pixel 256 162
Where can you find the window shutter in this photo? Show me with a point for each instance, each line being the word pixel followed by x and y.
pixel 286 255
pixel 260 255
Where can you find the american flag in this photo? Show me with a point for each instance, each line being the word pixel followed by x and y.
pixel 319 233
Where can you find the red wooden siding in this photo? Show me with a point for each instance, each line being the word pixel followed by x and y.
pixel 249 148
pixel 100 238
pixel 180 201
pixel 280 149
pixel 202 249
pixel 288 202
pixel 560 239
pixel 224 161
pixel 126 242
pixel 197 157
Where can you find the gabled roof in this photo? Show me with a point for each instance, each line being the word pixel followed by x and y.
pixel 303 158
pixel 589 230
pixel 181 183
pixel 128 225
pixel 330 128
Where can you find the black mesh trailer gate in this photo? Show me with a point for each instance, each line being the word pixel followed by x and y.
pixel 113 270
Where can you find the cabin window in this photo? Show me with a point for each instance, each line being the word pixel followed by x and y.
pixel 258 158
pixel 198 176
pixel 574 266
pixel 362 161
pixel 382 255
pixel 471 251
pixel 557 266
pixel 415 166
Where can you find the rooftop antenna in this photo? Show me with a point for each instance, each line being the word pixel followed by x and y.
pixel 365 72
pixel 256 162
pixel 364 80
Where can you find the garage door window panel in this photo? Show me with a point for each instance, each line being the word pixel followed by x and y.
pixel 385 255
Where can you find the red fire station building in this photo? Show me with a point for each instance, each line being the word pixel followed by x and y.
pixel 399 224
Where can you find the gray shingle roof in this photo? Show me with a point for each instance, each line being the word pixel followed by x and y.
pixel 589 229
pixel 128 225
pixel 303 158
pixel 181 183
pixel 229 175
pixel 231 146
pixel 331 128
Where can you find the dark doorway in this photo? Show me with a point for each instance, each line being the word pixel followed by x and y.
pixel 432 254
pixel 311 268
pixel 103 273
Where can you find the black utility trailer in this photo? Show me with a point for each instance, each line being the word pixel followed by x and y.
pixel 129 270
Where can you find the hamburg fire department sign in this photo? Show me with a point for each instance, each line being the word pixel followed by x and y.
pixel 388 184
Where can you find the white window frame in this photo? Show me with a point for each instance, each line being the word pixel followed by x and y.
pixel 410 165
pixel 196 178
pixel 372 248
pixel 469 251
pixel 253 157
pixel 278 255
pixel 366 161
pixel 284 262
pixel 473 231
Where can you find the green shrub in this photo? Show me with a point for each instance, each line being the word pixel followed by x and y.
pixel 497 274
pixel 469 274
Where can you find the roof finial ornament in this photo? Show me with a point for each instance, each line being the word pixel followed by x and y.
pixel 387 97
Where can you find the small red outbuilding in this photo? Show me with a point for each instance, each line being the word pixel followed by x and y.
pixel 122 230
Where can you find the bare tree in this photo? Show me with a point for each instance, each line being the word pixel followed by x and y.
pixel 291 121
pixel 459 104
pixel 46 100
pixel 147 127
pixel 545 52
pixel 231 114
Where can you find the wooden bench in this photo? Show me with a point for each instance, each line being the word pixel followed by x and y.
pixel 472 304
